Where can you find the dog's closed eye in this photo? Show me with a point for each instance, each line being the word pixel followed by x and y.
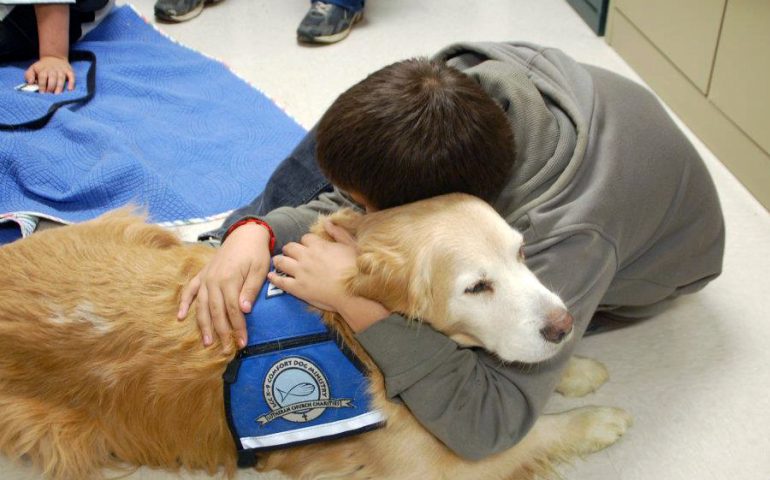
pixel 481 286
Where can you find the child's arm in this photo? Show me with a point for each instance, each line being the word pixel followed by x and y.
pixel 237 271
pixel 231 281
pixel 53 70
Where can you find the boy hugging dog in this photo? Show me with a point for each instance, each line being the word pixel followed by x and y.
pixel 618 214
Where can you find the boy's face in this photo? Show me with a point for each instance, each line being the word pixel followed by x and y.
pixel 359 199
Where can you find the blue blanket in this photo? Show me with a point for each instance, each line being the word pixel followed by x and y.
pixel 168 129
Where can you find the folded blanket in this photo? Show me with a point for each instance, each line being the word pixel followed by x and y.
pixel 167 129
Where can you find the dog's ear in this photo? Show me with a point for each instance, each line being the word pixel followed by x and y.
pixel 420 301
pixel 382 276
pixel 397 279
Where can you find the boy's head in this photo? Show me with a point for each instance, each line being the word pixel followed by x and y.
pixel 412 130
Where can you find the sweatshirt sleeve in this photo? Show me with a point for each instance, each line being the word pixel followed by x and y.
pixel 468 398
pixel 290 223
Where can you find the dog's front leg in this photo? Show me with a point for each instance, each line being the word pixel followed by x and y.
pixel 558 437
pixel 553 439
pixel 581 377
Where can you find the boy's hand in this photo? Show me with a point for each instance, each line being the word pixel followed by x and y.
pixel 315 270
pixel 51 74
pixel 228 285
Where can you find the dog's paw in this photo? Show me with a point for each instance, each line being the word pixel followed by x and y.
pixel 598 427
pixel 581 377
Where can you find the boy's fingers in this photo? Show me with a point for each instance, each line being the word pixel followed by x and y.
pixel 284 283
pixel 70 80
pixel 60 78
pixel 230 295
pixel 29 75
pixel 251 287
pixel 239 329
pixel 188 295
pixel 339 234
pixel 292 249
pixel 234 314
pixel 42 81
pixel 309 238
pixel 203 319
pixel 51 82
pixel 219 318
pixel 285 265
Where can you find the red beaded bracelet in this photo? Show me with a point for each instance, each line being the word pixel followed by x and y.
pixel 251 220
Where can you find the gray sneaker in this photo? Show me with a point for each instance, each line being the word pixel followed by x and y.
pixel 327 23
pixel 179 10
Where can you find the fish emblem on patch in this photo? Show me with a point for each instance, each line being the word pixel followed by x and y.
pixel 297 390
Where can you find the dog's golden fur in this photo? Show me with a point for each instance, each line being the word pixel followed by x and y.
pixel 95 370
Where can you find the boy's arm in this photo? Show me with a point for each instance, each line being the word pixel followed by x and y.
pixel 53 70
pixel 226 287
pixel 468 398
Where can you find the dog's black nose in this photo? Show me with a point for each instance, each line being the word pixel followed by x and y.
pixel 558 326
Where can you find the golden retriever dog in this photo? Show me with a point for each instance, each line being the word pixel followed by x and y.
pixel 95 370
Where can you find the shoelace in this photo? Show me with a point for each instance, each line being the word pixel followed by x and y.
pixel 322 7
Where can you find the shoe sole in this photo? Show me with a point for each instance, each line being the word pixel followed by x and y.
pixel 357 17
pixel 187 16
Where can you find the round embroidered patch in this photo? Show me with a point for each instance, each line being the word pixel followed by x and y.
pixel 296 390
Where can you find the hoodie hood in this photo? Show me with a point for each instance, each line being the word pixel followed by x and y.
pixel 548 99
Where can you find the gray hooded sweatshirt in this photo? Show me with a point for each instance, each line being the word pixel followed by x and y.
pixel 618 213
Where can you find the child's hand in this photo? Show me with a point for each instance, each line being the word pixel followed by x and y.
pixel 227 286
pixel 316 269
pixel 51 74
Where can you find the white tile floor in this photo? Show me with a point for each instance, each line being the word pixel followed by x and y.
pixel 696 379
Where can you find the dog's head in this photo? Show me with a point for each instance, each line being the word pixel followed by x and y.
pixel 453 262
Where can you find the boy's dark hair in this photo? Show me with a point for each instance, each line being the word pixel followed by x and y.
pixel 413 130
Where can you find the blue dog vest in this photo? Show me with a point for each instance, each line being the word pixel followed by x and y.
pixel 295 382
